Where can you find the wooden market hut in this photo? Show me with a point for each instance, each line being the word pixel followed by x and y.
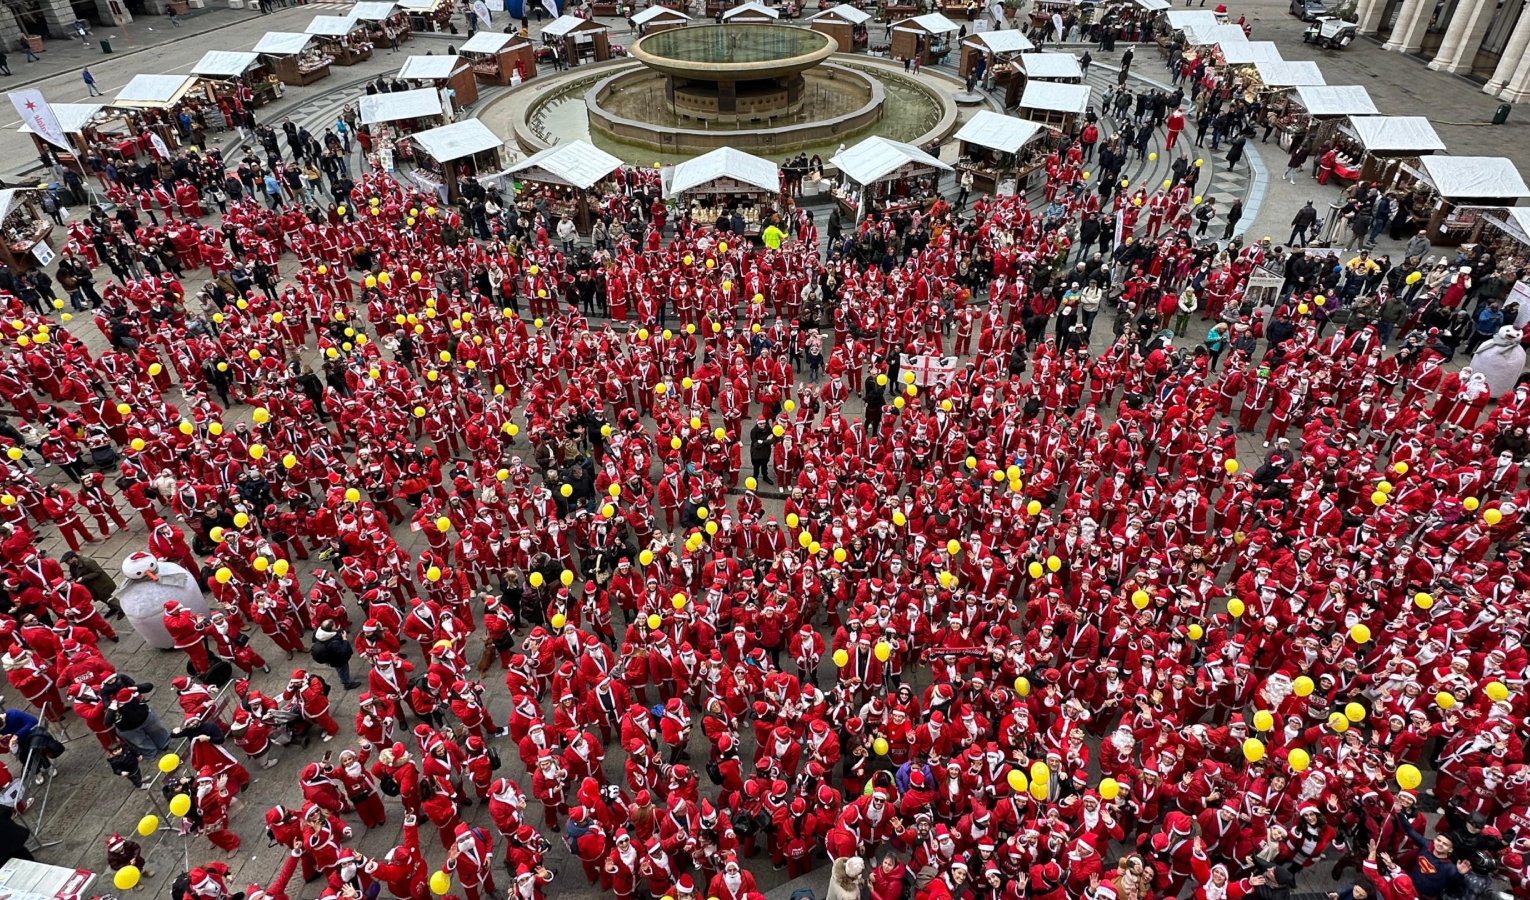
pixel 1055 105
pixel 447 154
pixel 1287 73
pixel 927 37
pixel 563 177
pixel 1185 22
pixel 1458 190
pixel 997 149
pixel 582 39
pixel 294 57
pixel 728 179
pixel 24 229
pixel 658 18
pixel 426 16
pixel 382 14
pixel 155 100
pixel 1383 144
pixel 890 174
pixel 453 74
pixel 342 38
pixel 998 47
pixel 1321 108
pixel 499 58
pixel 1248 53
pixel 222 72
pixel 403 112
pixel 844 23
pixel 751 13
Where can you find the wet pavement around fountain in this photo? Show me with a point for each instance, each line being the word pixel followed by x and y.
pixel 84 803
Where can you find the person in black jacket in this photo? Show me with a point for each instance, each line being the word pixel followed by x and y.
pixel 761 440
pixel 331 647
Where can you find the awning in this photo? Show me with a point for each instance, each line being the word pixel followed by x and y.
pixel 72 117
pixel 751 10
pixel 1050 66
pixel 1216 34
pixel 430 68
pixel 492 41
pixel 1192 19
pixel 999 132
pixel 154 91
pixel 1335 100
pixel 379 108
pixel 843 11
pixel 457 140
pixel 1288 73
pixel 1473 177
pixel 420 6
pixel 1153 5
pixel 1247 53
pixel 1515 223
pixel 1054 97
pixel 331 26
pixel 565 25
pixel 724 162
pixel 373 10
pixel 283 43
pixel 934 23
pixel 877 158
pixel 656 12
pixel 1001 42
pixel 225 63
pixel 577 164
pixel 12 196
pixel 1395 134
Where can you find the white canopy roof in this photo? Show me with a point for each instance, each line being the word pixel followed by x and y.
pixel 751 10
pixel 491 41
pixel 1055 97
pixel 457 140
pixel 843 11
pixel 1516 223
pixel 563 25
pixel 72 117
pixel 1394 134
pixel 1047 66
pixel 1153 5
pixel 1335 100
pixel 578 164
pixel 1290 73
pixel 373 10
pixel 649 14
pixel 429 68
pixel 378 108
pixel 725 162
pixel 154 90
pixel 934 23
pixel 1216 34
pixel 331 26
pixel 10 197
pixel 1011 40
pixel 1245 53
pixel 1469 177
pixel 225 63
pixel 1188 19
pixel 283 43
pixel 420 5
pixel 877 158
pixel 999 132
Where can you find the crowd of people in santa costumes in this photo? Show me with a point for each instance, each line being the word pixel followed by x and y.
pixel 1031 631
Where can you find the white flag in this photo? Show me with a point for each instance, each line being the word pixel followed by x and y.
pixel 481 10
pixel 552 7
pixel 159 145
pixel 39 117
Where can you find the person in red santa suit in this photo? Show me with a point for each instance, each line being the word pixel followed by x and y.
pixel 471 858
pixel 403 868
pixel 733 882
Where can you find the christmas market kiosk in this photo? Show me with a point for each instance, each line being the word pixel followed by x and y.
pixel 1000 151
pixel 342 38
pixel 451 75
pixel 294 57
pixel 155 101
pixel 1382 144
pixel 500 58
pixel 79 123
pixel 658 18
pixel 926 38
pixel 236 73
pixel 1055 105
pixel 446 155
pixel 583 40
pixel 564 176
pixel 24 229
pixel 390 117
pixel 727 180
pixel 885 175
pixel 1455 192
pixel 383 17
pixel 845 24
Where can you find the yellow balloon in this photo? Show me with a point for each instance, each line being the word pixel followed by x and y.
pixel 180 805
pixel 1264 721
pixel 879 746
pixel 645 558
pixel 953 546
pixel 536 579
pixel 169 763
pixel 281 567
pixel 1040 772
pixel 1298 759
pixel 1195 631
pixel 558 621
pixel 262 564
pixel 1492 517
pixel 1354 712
pixel 127 877
pixel 1023 686
pixel 1423 600
pixel 1034 569
pixel 841 658
pixel 1302 686
pixel 434 573
pixel 899 519
pixel 224 575
pixel 1140 599
pixel 1235 608
pixel 1231 466
pixel 1445 699
pixel 440 882
pixel 1471 504
pixel 1378 498
pixel 1110 789
pixel 1039 790
pixel 1338 722
pixel 352 495
pixel 1054 563
pixel 1033 507
pixel 1017 781
pixel 148 825
pixel 1409 777
pixel 1253 750
pixel 654 622
pixel 1360 633
pixel 883 650
pixel 1497 691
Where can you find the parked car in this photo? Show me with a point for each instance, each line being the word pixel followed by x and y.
pixel 1307 10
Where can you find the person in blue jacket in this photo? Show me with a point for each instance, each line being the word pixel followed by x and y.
pixel 1434 873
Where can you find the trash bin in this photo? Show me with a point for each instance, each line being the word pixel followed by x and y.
pixel 106 46
pixel 1502 115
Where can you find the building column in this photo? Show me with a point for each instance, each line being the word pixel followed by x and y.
pixel 1408 34
pixel 1465 32
pixel 1518 87
pixel 1368 14
pixel 1519 42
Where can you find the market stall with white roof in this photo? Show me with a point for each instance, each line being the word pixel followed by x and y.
pixel 343 38
pixel 926 38
pixel 236 73
pixel 562 178
pixel 751 13
pixel 427 15
pixel 846 25
pixel 1315 111
pixel 1380 145
pixel 886 175
pixel 390 117
pixel 1059 106
pixel 1000 151
pixel 446 155
pixel 499 58
pixel 84 125
pixel 382 18
pixel 998 48
pixel 582 40
pixel 1458 190
pixel 658 18
pixel 295 57
pixel 451 75
pixel 728 180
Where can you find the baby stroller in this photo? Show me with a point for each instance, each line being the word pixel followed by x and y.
pixel 103 451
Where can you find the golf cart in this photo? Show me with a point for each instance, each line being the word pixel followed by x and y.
pixel 1331 32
